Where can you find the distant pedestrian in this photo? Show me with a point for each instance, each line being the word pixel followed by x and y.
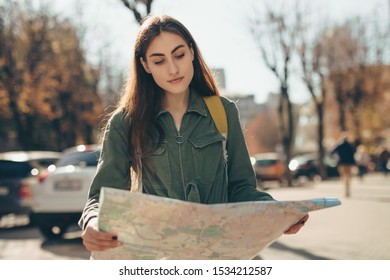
pixel 345 152
pixel 362 159
pixel 384 160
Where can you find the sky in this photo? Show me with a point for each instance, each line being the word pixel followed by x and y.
pixel 220 29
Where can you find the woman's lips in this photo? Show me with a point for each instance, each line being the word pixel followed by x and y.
pixel 176 80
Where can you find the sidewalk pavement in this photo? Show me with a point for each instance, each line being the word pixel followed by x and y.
pixel 358 229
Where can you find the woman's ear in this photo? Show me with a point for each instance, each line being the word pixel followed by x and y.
pixel 145 65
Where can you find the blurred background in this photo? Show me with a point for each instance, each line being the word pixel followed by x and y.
pixel 302 72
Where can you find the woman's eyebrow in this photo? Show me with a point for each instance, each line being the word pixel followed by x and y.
pixel 161 54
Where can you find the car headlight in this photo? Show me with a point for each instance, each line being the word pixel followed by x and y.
pixel 253 160
pixel 293 165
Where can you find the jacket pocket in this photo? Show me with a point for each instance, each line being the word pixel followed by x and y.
pixel 207 152
pixel 157 170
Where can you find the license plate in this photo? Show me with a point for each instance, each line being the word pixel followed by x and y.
pixel 265 171
pixel 68 185
pixel 269 171
pixel 4 191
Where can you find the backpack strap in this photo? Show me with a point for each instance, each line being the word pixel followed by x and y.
pixel 218 114
pixel 217 111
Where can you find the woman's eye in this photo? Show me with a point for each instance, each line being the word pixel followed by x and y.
pixel 159 62
pixel 179 56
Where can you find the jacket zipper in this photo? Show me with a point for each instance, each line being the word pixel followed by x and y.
pixel 179 141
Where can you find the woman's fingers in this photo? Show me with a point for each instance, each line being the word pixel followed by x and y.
pixel 95 240
pixel 296 227
pixel 92 245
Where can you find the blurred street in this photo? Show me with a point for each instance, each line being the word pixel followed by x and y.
pixel 26 243
pixel 357 230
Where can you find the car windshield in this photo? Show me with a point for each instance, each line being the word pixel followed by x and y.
pixel 305 158
pixel 80 159
pixel 14 169
pixel 265 162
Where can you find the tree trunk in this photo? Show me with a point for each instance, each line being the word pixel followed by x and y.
pixel 17 118
pixel 341 104
pixel 320 133
pixel 286 117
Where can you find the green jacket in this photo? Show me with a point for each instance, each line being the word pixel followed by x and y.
pixel 189 165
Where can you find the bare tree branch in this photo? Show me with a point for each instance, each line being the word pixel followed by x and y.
pixel 276 38
pixel 132 6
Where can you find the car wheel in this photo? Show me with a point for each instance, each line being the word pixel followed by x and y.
pixel 301 180
pixel 317 178
pixel 53 231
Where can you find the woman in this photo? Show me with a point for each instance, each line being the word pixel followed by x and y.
pixel 164 132
pixel 345 154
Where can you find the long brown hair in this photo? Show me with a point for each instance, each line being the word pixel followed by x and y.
pixel 142 97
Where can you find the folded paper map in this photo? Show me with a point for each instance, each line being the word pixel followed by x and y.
pixel 153 227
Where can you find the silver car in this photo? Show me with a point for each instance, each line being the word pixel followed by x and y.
pixel 59 198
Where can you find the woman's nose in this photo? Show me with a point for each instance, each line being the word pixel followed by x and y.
pixel 172 67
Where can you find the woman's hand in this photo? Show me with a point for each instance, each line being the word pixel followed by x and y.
pixel 296 227
pixel 95 240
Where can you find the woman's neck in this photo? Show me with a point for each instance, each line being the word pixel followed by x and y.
pixel 176 105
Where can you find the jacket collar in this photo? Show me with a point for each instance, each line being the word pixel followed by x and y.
pixel 196 104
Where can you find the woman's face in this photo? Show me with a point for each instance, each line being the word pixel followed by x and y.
pixel 169 60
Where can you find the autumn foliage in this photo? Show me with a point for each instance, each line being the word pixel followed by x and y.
pixel 48 91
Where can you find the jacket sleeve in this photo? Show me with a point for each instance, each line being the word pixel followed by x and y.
pixel 241 175
pixel 113 168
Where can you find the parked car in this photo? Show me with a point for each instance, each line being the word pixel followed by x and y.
pixel 18 171
pixel 59 198
pixel 268 167
pixel 307 166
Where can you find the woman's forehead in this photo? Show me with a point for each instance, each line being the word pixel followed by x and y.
pixel 165 43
